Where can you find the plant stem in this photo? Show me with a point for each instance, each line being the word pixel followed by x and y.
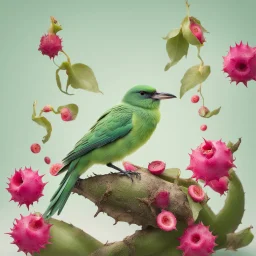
pixel 200 91
pixel 187 7
pixel 68 58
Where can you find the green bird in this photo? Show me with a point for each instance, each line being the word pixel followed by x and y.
pixel 117 133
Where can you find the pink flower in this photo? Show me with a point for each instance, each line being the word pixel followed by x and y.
pixel 166 221
pixel 31 233
pixel 211 161
pixel 240 63
pixel 196 193
pixel 197 240
pixel 26 186
pixel 156 167
pixel 197 31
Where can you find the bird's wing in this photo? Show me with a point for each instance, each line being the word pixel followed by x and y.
pixel 112 125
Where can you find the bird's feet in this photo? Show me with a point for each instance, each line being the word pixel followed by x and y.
pixel 125 173
pixel 129 174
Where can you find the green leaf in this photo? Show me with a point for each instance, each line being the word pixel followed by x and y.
pixel 81 76
pixel 176 47
pixel 172 34
pixel 239 239
pixel 73 108
pixel 170 174
pixel 195 207
pixel 212 113
pixel 194 76
pixel 234 147
pixel 59 82
pixel 42 121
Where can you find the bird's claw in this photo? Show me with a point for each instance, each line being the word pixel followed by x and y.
pixel 130 173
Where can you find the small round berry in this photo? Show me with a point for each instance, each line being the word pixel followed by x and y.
pixel 47 108
pixel 195 98
pixel 35 148
pixel 66 114
pixel 203 111
pixel 47 160
pixel 203 127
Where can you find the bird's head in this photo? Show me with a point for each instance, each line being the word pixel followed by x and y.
pixel 145 97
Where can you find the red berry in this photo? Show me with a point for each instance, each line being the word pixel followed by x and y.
pixel 195 98
pixel 35 148
pixel 47 160
pixel 203 127
pixel 203 111
pixel 66 114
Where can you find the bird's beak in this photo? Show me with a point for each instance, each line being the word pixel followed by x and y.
pixel 162 96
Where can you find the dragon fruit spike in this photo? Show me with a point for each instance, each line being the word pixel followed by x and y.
pixel 166 221
pixel 31 233
pixel 196 193
pixel 162 199
pixel 240 63
pixel 211 161
pixel 156 167
pixel 26 186
pixel 219 186
pixel 197 240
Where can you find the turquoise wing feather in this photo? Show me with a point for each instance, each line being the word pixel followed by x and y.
pixel 112 125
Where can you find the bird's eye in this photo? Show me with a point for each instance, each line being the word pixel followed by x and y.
pixel 142 93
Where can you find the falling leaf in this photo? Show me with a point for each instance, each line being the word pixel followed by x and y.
pixel 212 113
pixel 42 121
pixel 194 76
pixel 176 47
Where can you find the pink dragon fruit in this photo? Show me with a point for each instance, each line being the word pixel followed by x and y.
pixel 66 114
pixel 240 63
pixel 162 199
pixel 55 168
pixel 50 45
pixel 156 167
pixel 26 186
pixel 166 221
pixel 220 186
pixel 196 193
pixel 197 31
pixel 211 161
pixel 129 166
pixel 197 240
pixel 30 233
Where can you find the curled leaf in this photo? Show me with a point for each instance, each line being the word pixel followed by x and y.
pixel 195 207
pixel 81 76
pixel 42 121
pixel 176 47
pixel 234 146
pixel 194 76
pixel 72 107
pixel 212 113
pixel 172 34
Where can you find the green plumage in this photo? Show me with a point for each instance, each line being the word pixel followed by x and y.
pixel 116 134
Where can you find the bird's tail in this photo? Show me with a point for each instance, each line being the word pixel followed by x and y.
pixel 62 194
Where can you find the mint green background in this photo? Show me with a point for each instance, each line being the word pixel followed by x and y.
pixel 121 41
